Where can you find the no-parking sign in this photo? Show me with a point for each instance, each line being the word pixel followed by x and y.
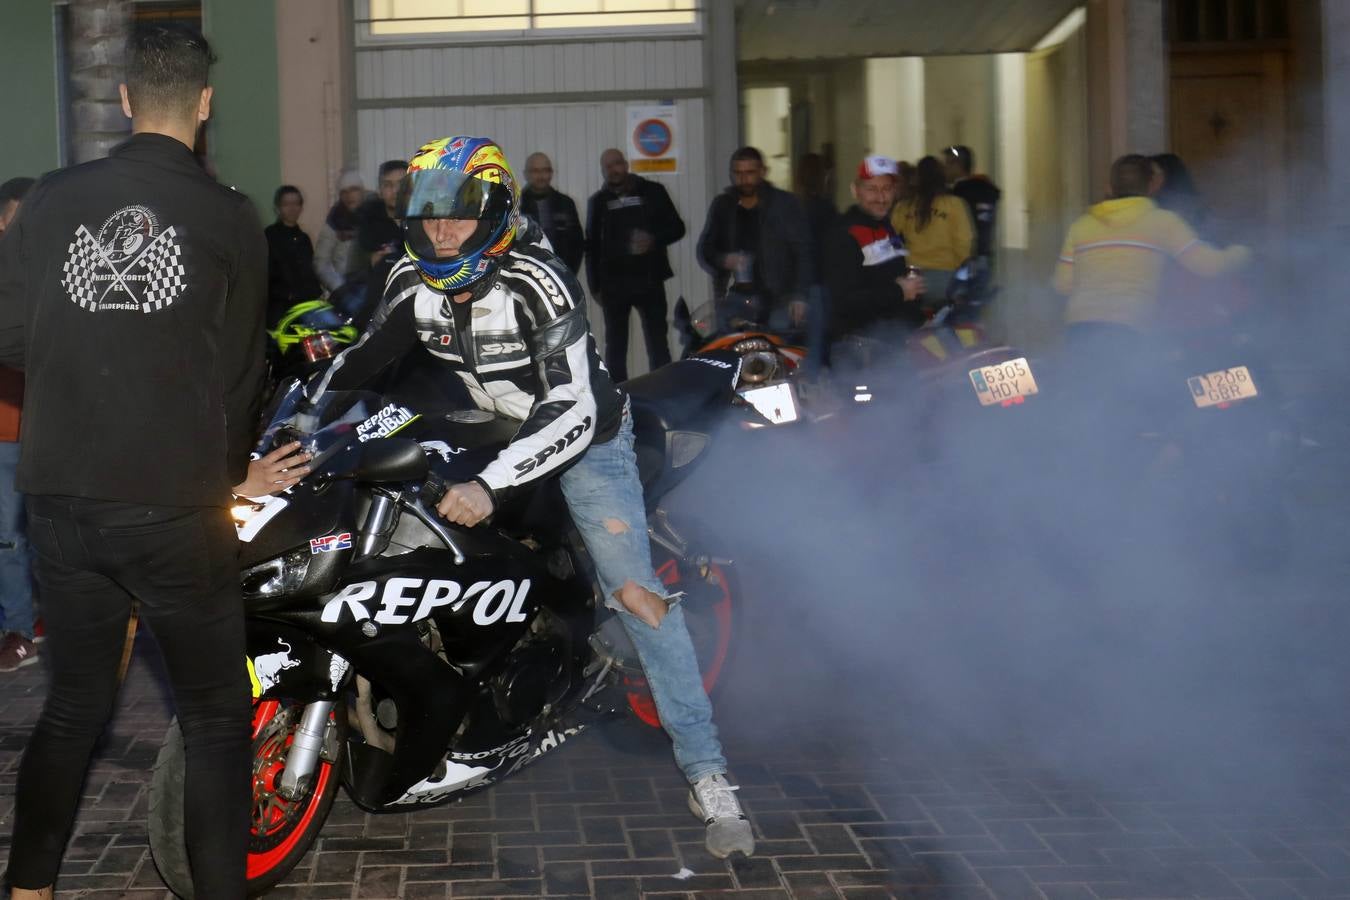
pixel 654 139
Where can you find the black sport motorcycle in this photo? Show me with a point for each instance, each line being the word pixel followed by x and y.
pixel 411 660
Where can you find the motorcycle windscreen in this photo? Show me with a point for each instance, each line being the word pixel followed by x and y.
pixel 331 427
pixel 311 513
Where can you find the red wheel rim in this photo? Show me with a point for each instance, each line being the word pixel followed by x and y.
pixel 262 863
pixel 639 694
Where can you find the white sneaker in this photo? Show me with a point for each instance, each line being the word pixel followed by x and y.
pixel 714 801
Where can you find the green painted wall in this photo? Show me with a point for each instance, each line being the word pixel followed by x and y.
pixel 244 139
pixel 28 104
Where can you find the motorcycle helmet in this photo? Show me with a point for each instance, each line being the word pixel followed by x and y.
pixel 459 178
pixel 310 325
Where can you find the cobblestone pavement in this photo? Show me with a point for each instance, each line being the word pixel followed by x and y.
pixel 1004 748
pixel 922 816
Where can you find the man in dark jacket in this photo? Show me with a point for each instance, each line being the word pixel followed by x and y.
pixel 554 211
pixel 131 293
pixel 866 264
pixel 378 238
pixel 757 247
pixel 291 277
pixel 630 223
pixel 980 194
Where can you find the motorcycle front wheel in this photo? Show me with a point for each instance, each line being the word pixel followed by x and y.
pixel 282 830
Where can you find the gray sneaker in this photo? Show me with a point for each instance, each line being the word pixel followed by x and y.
pixel 714 801
pixel 16 651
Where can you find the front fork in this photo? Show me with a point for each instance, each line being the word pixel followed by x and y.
pixel 308 746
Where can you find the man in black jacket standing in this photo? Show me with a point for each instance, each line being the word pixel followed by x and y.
pixel 630 223
pixel 132 292
pixel 757 247
pixel 378 233
pixel 553 210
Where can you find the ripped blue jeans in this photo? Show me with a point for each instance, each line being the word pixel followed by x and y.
pixel 604 495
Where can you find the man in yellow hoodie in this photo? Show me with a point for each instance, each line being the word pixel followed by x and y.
pixel 1113 256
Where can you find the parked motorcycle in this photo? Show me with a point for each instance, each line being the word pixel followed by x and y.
pixel 941 384
pixel 414 661
pixel 1184 432
pixel 1232 449
pixel 770 361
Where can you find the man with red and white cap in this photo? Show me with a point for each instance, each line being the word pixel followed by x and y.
pixel 866 265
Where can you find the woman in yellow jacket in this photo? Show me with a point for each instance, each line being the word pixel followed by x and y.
pixel 937 229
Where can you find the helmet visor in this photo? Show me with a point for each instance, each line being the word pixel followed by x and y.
pixel 441 194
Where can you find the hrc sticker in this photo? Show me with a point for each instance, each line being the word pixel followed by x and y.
pixel 330 543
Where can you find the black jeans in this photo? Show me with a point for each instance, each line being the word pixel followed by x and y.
pixel 651 306
pixel 182 565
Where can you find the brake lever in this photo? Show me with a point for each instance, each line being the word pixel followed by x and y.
pixel 433 489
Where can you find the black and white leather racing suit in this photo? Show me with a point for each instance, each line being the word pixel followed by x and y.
pixel 523 348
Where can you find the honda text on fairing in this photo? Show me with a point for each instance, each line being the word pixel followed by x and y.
pixel 412 660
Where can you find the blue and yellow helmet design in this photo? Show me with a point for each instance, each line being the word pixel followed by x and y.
pixel 459 178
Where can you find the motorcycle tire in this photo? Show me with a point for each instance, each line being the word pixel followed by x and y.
pixel 272 854
pixel 712 624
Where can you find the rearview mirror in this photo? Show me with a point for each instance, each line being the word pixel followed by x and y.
pixel 386 460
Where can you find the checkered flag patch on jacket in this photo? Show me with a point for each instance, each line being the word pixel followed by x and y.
pixel 83 259
pixel 165 274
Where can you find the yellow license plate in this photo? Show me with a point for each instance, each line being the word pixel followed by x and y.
pixel 1219 388
pixel 1005 383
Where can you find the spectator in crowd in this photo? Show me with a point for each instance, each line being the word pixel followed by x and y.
pixel 630 224
pixel 757 247
pixel 865 259
pixel 379 236
pixel 1111 268
pixel 1173 188
pixel 555 212
pixel 11 197
pixel 1188 302
pixel 1113 257
pixel 813 192
pixel 333 257
pixel 981 196
pixel 937 229
pixel 290 256
pixel 907 181
pixel 18 647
